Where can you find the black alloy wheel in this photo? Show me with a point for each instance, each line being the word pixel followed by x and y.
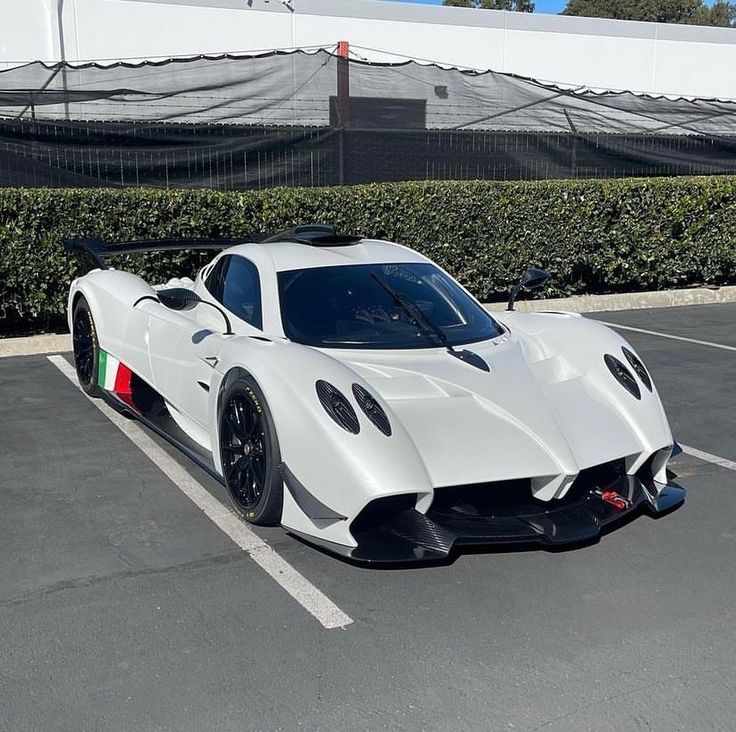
pixel 86 348
pixel 249 453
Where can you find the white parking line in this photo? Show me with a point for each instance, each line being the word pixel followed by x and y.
pixel 721 462
pixel 303 591
pixel 667 335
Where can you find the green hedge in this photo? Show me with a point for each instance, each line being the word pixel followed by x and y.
pixel 594 236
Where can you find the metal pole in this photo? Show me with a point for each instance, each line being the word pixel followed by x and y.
pixel 343 84
pixel 62 55
pixel 343 101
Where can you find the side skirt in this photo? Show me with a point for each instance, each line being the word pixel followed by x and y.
pixel 142 402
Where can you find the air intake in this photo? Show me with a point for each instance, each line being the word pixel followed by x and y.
pixel 638 367
pixel 337 406
pixel 372 409
pixel 622 375
pixel 315 235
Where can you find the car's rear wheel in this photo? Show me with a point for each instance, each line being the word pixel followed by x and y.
pixel 249 452
pixel 86 348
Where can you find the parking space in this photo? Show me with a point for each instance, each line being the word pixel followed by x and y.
pixel 712 323
pixel 123 606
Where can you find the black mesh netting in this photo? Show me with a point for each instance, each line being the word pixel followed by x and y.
pixel 313 119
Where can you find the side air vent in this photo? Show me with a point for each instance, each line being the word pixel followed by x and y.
pixel 372 409
pixel 337 406
pixel 638 367
pixel 622 375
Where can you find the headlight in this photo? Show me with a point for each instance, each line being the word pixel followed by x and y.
pixel 372 409
pixel 337 406
pixel 622 375
pixel 638 367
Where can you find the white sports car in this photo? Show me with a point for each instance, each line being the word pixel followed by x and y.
pixel 353 392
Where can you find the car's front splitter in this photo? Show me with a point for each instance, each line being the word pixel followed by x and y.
pixel 409 536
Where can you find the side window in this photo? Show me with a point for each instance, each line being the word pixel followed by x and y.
pixel 238 287
pixel 214 279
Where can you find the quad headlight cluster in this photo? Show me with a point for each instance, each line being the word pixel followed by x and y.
pixel 624 376
pixel 337 405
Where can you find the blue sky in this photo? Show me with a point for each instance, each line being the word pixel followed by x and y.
pixel 543 6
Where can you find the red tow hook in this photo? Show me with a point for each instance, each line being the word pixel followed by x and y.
pixel 614 499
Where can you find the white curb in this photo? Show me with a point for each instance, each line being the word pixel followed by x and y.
pixel 626 301
pixel 37 344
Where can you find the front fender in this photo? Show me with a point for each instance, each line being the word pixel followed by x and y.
pixel 111 295
pixel 565 352
pixel 343 471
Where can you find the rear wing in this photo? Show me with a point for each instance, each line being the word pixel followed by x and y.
pixel 96 250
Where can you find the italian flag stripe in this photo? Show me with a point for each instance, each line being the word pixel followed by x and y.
pixel 107 370
pixel 115 376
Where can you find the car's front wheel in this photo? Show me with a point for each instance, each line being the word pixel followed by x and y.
pixel 86 348
pixel 249 451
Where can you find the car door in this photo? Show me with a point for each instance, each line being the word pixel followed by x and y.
pixel 182 353
pixel 184 345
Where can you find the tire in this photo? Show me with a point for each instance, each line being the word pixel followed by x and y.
pixel 249 452
pixel 86 348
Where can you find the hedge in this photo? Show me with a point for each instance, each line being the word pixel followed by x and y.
pixel 593 236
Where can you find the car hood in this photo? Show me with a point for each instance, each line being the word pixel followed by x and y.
pixel 543 420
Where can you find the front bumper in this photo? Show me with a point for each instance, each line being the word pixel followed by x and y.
pixel 407 535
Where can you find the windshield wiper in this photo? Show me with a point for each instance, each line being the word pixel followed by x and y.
pixel 413 311
pixel 425 324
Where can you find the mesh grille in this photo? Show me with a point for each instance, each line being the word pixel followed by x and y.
pixel 622 375
pixel 372 409
pixel 239 123
pixel 337 406
pixel 638 367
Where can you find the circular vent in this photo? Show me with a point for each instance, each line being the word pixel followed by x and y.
pixel 622 375
pixel 337 406
pixel 638 367
pixel 372 409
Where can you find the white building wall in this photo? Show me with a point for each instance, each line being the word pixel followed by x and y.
pixel 601 54
pixel 28 30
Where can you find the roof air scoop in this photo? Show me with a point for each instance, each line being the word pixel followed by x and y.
pixel 316 235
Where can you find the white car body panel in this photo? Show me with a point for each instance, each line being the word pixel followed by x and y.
pixel 548 409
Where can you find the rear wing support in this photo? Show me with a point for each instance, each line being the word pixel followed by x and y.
pixel 95 250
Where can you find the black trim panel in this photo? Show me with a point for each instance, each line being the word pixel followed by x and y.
pixel 152 412
pixel 312 507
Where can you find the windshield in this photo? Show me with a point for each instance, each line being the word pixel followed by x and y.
pixel 348 306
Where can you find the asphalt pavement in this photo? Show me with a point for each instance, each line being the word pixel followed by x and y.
pixel 124 607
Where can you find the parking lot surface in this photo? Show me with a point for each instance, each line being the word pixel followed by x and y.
pixel 123 606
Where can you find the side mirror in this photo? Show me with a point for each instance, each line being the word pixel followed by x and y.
pixel 182 298
pixel 179 298
pixel 530 280
pixel 533 278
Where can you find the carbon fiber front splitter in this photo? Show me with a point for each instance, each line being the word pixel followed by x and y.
pixel 412 537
